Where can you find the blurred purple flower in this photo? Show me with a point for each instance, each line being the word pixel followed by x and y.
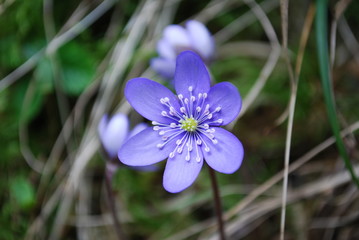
pixel 176 39
pixel 186 127
pixel 115 131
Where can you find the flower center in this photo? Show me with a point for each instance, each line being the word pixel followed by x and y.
pixel 189 124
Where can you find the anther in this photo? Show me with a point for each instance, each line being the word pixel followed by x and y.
pixel 182 109
pixel 218 109
pixel 164 113
pixel 206 149
pixel 173 125
pixel 220 120
pixel 186 101
pixel 190 88
pixel 180 96
pixel 155 123
pixel 199 141
pixel 193 98
pixel 198 109
pixel 204 95
pixel 198 159
pixel 160 145
pixel 215 141
pixel 156 128
pixel 162 132
pixel 187 158
pixel 172 154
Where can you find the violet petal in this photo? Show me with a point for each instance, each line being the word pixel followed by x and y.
pixel 144 96
pixel 226 96
pixel 142 150
pixel 179 173
pixel 226 156
pixel 191 72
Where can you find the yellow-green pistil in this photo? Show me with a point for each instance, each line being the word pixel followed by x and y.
pixel 189 124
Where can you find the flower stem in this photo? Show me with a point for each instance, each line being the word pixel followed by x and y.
pixel 112 205
pixel 217 203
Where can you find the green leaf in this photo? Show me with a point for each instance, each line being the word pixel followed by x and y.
pixel 22 192
pixel 78 65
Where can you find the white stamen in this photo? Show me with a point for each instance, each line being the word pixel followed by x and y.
pixel 199 96
pixel 198 109
pixel 164 138
pixel 209 116
pixel 160 145
pixel 190 88
pixel 215 141
pixel 182 109
pixel 180 96
pixel 164 113
pixel 186 101
pixel 198 159
pixel 220 120
pixel 204 95
pixel 162 132
pixel 193 98
pixel 172 154
pixel 179 141
pixel 155 123
pixel 173 125
pixel 206 149
pixel 199 141
pixel 187 157
pixel 156 128
pixel 218 109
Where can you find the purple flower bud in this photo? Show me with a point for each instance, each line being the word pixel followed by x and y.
pixel 113 132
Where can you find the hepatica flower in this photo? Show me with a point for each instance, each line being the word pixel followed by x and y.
pixel 186 127
pixel 195 36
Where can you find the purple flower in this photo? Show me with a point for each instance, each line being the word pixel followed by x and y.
pixel 115 131
pixel 187 126
pixel 176 39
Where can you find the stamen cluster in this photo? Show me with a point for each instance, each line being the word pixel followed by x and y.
pixel 190 124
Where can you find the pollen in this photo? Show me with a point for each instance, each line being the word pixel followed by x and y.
pixel 189 124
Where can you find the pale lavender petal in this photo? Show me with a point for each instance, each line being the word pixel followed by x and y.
pixel 176 36
pixel 142 150
pixel 138 128
pixel 144 96
pixel 201 39
pixel 164 67
pixel 226 96
pixel 191 72
pixel 114 133
pixel 226 156
pixel 179 173
pixel 165 50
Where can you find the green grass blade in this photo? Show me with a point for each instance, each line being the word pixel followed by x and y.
pixel 323 57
